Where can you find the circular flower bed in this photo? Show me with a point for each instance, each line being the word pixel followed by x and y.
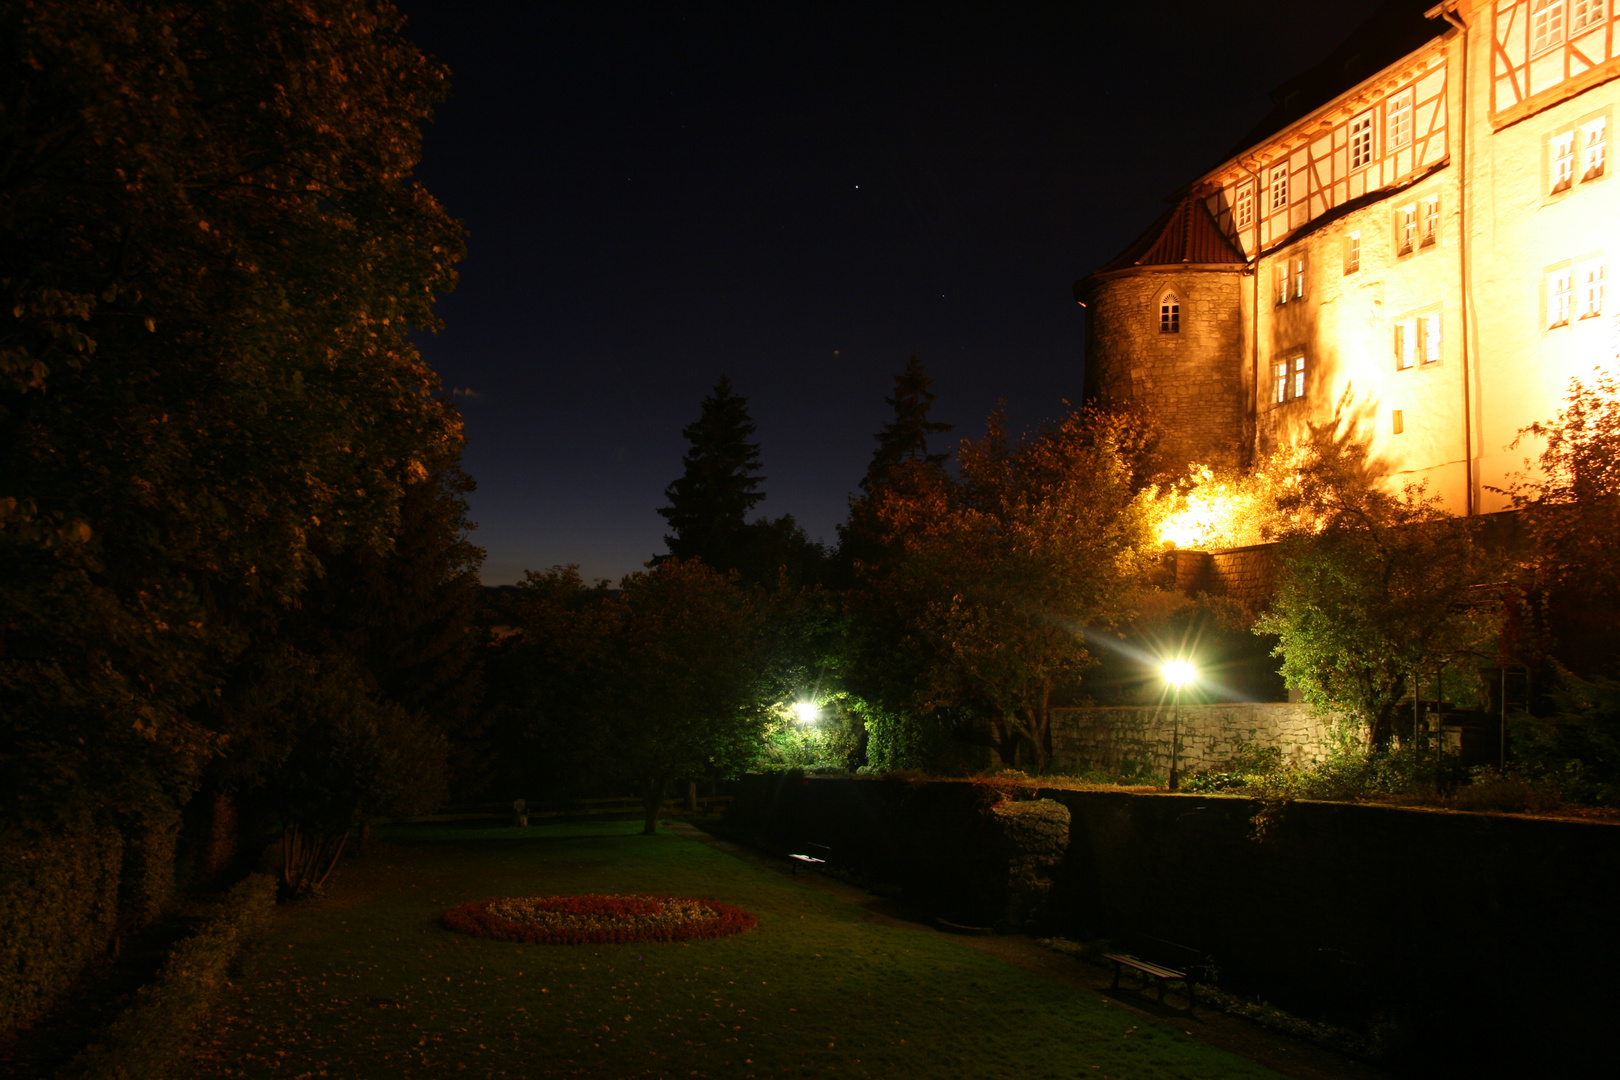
pixel 597 920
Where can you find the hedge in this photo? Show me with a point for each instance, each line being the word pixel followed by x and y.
pixel 58 911
pixel 146 1040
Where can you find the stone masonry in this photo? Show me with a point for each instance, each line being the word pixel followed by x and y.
pixel 1136 740
pixel 1191 381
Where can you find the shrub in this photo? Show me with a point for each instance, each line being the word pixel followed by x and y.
pixel 150 1035
pixel 146 881
pixel 58 911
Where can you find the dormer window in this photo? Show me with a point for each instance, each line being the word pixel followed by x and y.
pixel 1170 314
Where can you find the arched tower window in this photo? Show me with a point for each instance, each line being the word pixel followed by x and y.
pixel 1170 314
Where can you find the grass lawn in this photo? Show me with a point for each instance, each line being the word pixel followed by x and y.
pixel 367 983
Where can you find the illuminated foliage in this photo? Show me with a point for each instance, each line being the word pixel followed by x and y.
pixel 1570 513
pixel 1371 586
pixel 999 575
pixel 212 254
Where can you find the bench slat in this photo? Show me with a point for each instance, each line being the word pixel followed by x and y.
pixel 1143 966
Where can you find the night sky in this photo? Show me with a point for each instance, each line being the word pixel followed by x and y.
pixel 797 196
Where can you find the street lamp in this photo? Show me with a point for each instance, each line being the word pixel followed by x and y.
pixel 1177 673
pixel 805 712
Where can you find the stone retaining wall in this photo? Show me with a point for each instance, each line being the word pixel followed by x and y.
pixel 1136 740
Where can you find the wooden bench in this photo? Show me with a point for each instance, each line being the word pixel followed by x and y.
pixel 1121 961
pixel 819 854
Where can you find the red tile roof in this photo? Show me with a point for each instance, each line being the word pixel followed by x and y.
pixel 1185 234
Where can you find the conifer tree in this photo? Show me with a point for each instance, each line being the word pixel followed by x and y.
pixel 709 503
pixel 905 438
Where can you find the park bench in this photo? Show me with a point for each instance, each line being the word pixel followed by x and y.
pixel 1148 970
pixel 817 857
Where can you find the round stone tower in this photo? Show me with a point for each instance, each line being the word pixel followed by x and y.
pixel 1165 334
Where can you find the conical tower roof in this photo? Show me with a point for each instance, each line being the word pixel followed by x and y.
pixel 1185 234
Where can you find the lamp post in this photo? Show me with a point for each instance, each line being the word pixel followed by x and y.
pixel 805 712
pixel 1177 673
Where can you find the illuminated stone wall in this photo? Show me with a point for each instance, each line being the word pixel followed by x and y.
pixel 1136 740
pixel 1191 381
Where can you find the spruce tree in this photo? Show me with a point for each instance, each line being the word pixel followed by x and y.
pixel 905 438
pixel 709 504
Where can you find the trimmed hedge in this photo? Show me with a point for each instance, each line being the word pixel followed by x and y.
pixel 146 884
pixel 58 911
pixel 144 1042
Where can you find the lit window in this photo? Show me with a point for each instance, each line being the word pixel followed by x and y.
pixel 1279 188
pixel 1592 290
pixel 1406 230
pixel 1352 253
pixel 1245 208
pixel 1417 342
pixel 1279 382
pixel 1593 146
pixel 1283 290
pixel 1400 122
pixel 1361 141
pixel 1585 13
pixel 1170 314
pixel 1397 421
pixel 1563 160
pixel 1431 221
pixel 1546 24
pixel 1297 383
pixel 1299 279
pixel 1558 297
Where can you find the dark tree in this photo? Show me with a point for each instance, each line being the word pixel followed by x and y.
pixel 905 438
pixel 709 504
pixel 212 257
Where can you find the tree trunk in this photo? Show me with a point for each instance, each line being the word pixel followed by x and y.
pixel 652 801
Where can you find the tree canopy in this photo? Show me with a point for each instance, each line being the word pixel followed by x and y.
pixel 1374 587
pixel 710 501
pixel 998 576
pixel 905 436
pixel 214 256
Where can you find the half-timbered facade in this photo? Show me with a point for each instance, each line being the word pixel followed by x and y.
pixel 1424 246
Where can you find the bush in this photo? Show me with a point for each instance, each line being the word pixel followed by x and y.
pixel 58 911
pixel 144 1042
pixel 146 881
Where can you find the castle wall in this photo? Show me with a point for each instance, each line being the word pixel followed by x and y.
pixel 1191 381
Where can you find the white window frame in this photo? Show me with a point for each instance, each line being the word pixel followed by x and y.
pixel 1589 277
pixel 1283 289
pixel 1431 220
pixel 1287 380
pixel 1560 296
pixel 1594 147
pixel 1398 121
pixel 1170 313
pixel 1585 14
pixel 1546 25
pixel 1406 229
pixel 1244 214
pixel 1561 160
pixel 1279 188
pixel 1299 278
pixel 1352 252
pixel 1361 141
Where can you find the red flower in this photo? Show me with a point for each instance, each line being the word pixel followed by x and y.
pixel 596 919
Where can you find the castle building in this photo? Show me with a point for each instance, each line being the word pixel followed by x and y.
pixel 1417 236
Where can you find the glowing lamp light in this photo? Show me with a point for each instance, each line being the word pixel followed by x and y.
pixel 805 712
pixel 1179 673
